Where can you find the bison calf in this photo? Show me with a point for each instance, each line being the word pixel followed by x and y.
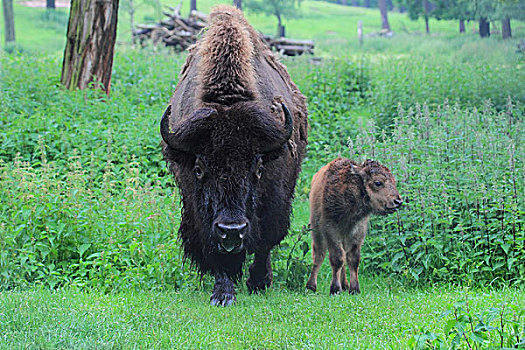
pixel 343 196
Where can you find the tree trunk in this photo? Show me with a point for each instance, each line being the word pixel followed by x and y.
pixel 238 4
pixel 50 4
pixel 384 15
pixel 426 5
pixel 91 35
pixel 131 12
pixel 484 27
pixel 280 27
pixel 193 5
pixel 462 26
pixel 9 21
pixel 505 28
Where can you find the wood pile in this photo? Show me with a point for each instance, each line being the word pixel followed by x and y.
pixel 290 47
pixel 180 33
pixel 175 31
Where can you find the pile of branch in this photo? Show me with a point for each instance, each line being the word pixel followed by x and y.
pixel 174 30
pixel 180 33
pixel 290 47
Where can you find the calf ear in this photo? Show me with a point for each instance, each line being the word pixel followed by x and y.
pixel 357 170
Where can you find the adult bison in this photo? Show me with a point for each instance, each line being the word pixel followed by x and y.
pixel 234 135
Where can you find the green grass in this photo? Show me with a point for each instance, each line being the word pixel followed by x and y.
pixel 385 316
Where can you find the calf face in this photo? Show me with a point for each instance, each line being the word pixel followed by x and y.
pixel 381 188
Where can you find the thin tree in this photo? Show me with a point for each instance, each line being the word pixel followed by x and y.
pixel 507 10
pixel 384 15
pixel 50 4
pixel 238 4
pixel 277 8
pixel 193 5
pixel 9 21
pixel 91 35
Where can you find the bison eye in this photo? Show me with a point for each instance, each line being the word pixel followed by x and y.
pixel 258 173
pixel 259 169
pixel 378 183
pixel 199 173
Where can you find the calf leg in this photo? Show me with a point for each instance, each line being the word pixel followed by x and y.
pixel 344 282
pixel 352 246
pixel 261 275
pixel 223 291
pixel 336 261
pixel 353 255
pixel 318 255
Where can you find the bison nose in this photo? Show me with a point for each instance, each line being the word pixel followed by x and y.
pixel 398 202
pixel 231 235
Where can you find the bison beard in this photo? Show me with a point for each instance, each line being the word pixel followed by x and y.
pixel 234 135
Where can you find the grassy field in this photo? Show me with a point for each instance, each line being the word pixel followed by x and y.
pixel 384 316
pixel 89 256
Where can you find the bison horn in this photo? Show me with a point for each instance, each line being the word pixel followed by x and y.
pixel 285 136
pixel 179 138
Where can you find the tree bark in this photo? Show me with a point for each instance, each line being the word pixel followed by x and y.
pixel 384 15
pixel 426 5
pixel 238 4
pixel 91 35
pixel 484 27
pixel 193 5
pixel 131 12
pixel 9 21
pixel 280 27
pixel 462 26
pixel 50 4
pixel 506 32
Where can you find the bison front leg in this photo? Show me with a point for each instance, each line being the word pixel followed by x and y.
pixel 352 246
pixel 223 291
pixel 261 276
pixel 336 256
pixel 352 258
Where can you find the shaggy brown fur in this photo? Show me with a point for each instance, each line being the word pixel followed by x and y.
pixel 343 196
pixel 234 135
pixel 226 67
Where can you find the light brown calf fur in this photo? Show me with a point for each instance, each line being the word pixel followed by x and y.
pixel 343 196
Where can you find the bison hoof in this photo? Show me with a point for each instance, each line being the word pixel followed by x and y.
pixel 311 287
pixel 354 288
pixel 335 289
pixel 354 291
pixel 258 286
pixel 222 299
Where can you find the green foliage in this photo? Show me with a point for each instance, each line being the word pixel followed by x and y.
pixel 461 174
pixel 500 326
